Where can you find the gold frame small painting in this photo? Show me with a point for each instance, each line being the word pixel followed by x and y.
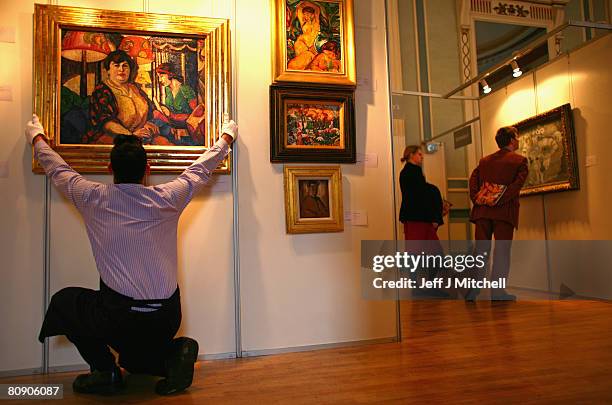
pixel 103 73
pixel 313 199
pixel 313 41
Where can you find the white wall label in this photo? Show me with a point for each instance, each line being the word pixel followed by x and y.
pixel 7 34
pixel 6 93
pixel 4 169
pixel 366 83
pixel 368 159
pixel 591 160
pixel 356 218
pixel 366 27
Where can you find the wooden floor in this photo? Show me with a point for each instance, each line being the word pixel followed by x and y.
pixel 452 353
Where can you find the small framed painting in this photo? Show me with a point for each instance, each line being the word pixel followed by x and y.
pixel 314 125
pixel 548 142
pixel 313 199
pixel 314 41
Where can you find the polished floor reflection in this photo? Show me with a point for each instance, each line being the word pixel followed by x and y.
pixel 452 352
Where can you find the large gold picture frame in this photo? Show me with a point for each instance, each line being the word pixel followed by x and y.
pixel 324 52
pixel 313 199
pixel 195 51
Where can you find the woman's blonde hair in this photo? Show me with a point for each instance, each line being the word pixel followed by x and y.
pixel 409 151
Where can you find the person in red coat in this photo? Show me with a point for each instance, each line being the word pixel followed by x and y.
pixel 504 167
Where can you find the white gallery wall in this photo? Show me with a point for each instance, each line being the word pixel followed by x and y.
pixel 296 290
pixel 581 78
pixel 305 289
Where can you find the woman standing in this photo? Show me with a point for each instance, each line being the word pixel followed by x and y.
pixel 421 209
pixel 421 213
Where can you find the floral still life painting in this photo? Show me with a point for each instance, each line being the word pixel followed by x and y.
pixel 311 125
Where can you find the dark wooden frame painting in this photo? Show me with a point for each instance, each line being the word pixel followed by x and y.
pixel 548 142
pixel 330 136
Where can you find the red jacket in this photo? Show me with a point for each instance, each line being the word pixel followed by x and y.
pixel 502 167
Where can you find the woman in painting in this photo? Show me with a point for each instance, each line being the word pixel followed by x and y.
pixel 120 107
pixel 181 118
pixel 328 60
pixel 180 99
pixel 305 45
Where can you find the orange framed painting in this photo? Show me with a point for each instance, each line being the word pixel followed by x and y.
pixel 314 42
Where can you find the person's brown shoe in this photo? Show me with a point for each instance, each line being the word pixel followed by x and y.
pixel 179 366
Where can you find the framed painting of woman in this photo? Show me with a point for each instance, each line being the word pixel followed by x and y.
pixel 103 73
pixel 313 41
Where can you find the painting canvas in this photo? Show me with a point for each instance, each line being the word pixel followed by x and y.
pixel 312 124
pixel 104 73
pixel 314 37
pixel 549 144
pixel 313 199
pixel 117 83
pixel 314 41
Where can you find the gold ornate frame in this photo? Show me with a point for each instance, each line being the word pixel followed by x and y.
pixel 562 115
pixel 48 24
pixel 279 44
pixel 295 224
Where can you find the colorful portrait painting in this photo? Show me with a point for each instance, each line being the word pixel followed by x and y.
pixel 314 125
pixel 314 35
pixel 314 42
pixel 99 74
pixel 115 83
pixel 548 142
pixel 314 198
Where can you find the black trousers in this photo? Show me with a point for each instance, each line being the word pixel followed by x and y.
pixel 96 320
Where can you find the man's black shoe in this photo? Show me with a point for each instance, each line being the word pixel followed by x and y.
pixel 472 294
pixel 99 382
pixel 179 366
pixel 502 296
pixel 430 293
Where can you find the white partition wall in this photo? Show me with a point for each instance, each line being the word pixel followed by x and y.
pixel 296 290
pixel 21 202
pixel 303 290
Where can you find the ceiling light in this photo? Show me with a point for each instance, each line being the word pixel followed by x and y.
pixel 485 86
pixel 516 70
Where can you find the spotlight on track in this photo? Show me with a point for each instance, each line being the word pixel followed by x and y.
pixel 485 86
pixel 516 70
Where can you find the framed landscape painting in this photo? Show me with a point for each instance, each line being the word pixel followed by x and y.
pixel 313 199
pixel 311 125
pixel 103 73
pixel 549 144
pixel 314 41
